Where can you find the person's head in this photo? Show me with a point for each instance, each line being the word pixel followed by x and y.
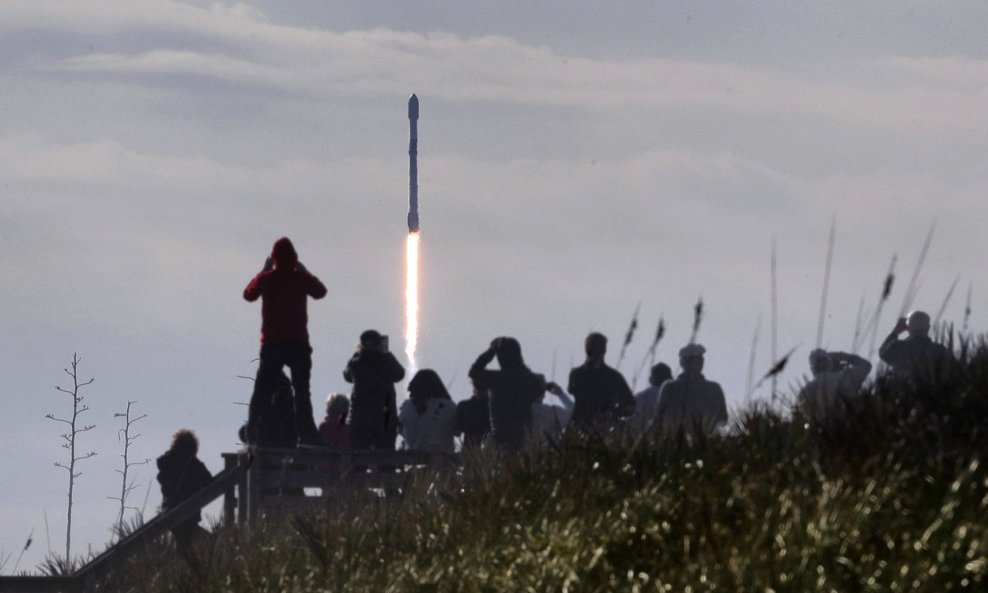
pixel 595 346
pixel 426 384
pixel 185 443
pixel 659 374
pixel 819 361
pixel 337 405
pixel 691 358
pixel 509 353
pixel 918 323
pixel 371 340
pixel 283 253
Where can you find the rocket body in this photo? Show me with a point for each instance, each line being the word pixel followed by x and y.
pixel 413 170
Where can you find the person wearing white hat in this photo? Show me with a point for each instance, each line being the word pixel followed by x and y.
pixel 690 402
pixel 837 377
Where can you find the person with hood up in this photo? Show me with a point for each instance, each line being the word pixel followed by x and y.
pixel 428 417
pixel 690 402
pixel 182 475
pixel 373 370
pixel 284 286
pixel 513 390
pixel 601 393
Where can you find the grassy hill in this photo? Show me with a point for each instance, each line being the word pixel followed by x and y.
pixel 892 496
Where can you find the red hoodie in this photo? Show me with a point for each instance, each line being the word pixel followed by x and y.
pixel 283 291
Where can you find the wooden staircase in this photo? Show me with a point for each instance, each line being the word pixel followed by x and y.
pixel 255 482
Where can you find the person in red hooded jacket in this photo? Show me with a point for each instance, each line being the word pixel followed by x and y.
pixel 284 286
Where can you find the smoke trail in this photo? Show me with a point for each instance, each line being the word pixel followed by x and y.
pixel 411 300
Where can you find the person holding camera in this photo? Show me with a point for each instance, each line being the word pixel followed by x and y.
pixel 513 390
pixel 917 358
pixel 837 378
pixel 284 287
pixel 373 370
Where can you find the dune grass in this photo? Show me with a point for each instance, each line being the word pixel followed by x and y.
pixel 890 497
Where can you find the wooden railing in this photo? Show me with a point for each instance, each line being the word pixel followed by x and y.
pixel 255 481
pixel 308 478
pixel 222 484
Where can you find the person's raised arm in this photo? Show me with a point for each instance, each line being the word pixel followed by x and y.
pixel 313 286
pixel 395 371
pixel 479 367
pixel 253 290
pixel 886 351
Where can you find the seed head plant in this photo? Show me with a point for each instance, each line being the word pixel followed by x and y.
pixel 70 438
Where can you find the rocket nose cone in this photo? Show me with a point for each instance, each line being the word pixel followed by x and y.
pixel 413 107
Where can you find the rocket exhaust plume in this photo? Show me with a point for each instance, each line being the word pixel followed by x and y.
pixel 412 243
pixel 411 299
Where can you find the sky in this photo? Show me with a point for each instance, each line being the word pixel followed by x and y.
pixel 575 159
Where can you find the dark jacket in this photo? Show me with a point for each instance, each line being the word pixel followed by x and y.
pixel 181 476
pixel 917 358
pixel 473 420
pixel 373 401
pixel 284 291
pixel 513 390
pixel 600 394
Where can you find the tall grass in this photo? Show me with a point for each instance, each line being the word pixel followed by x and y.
pixel 890 496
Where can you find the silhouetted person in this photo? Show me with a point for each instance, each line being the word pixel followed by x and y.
pixel 334 430
pixel 373 370
pixel 837 379
pixel 473 416
pixel 600 392
pixel 275 418
pixel 513 390
pixel 284 286
pixel 428 417
pixel 647 400
pixel 182 475
pixel 690 402
pixel 916 358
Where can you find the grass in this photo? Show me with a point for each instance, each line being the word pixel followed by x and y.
pixel 891 497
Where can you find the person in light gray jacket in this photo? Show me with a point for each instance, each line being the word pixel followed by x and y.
pixel 690 402
pixel 837 378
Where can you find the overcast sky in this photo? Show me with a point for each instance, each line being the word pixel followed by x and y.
pixel 575 159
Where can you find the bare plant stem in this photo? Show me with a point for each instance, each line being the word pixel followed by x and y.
pixel 775 316
pixel 826 282
pixel 946 301
pixel 912 289
pixel 70 437
pixel 857 324
pixel 751 357
pixel 126 482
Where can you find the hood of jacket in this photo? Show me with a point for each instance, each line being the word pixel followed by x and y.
pixel 283 253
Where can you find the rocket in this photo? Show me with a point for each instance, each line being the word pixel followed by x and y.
pixel 413 171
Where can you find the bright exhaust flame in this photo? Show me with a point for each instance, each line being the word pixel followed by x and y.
pixel 411 299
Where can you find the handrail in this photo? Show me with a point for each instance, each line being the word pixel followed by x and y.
pixel 161 523
pixel 153 528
